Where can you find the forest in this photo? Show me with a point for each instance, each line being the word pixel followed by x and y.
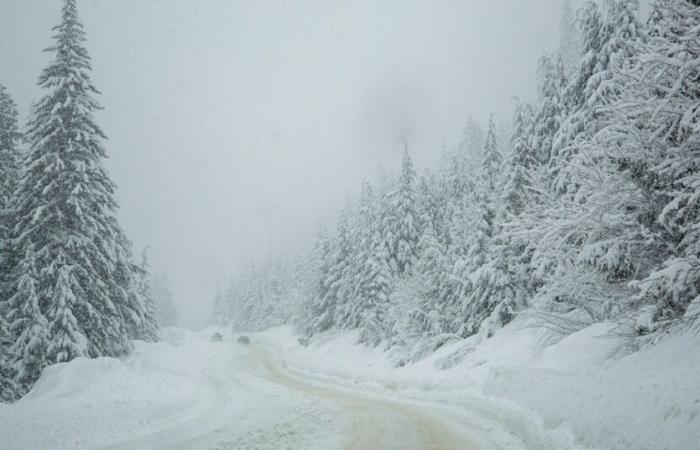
pixel 588 212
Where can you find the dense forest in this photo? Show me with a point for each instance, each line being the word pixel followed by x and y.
pixel 69 284
pixel 590 212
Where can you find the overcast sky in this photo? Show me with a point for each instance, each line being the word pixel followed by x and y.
pixel 236 127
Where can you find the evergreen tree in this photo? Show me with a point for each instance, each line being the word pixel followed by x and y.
pixel 521 160
pixel 476 252
pixel 657 149
pixel 317 307
pixel 334 280
pixel 551 108
pixel 464 159
pixel 492 158
pixel 28 324
pixel 374 300
pixel 10 157
pixel 66 211
pixel 403 251
pixel 148 330
pixel 10 171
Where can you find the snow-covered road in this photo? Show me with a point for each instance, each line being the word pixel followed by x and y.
pixel 377 422
pixel 189 393
pixel 295 411
pixel 186 392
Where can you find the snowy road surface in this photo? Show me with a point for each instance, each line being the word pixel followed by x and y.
pixel 386 423
pixel 189 393
pixel 186 392
pixel 292 411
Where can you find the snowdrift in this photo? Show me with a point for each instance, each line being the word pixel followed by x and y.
pixel 589 383
pixel 110 398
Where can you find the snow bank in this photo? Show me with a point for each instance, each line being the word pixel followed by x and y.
pixel 183 392
pixel 647 400
pixel 111 398
pixel 588 384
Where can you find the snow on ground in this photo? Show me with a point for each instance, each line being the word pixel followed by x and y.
pixel 586 390
pixel 182 390
pixel 587 384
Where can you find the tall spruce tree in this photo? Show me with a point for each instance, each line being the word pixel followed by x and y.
pixel 551 108
pixel 10 172
pixel 520 161
pixel 10 158
pixel 406 226
pixel 492 158
pixel 144 288
pixel 66 212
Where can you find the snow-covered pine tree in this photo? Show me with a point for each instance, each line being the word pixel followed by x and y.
pixel 361 228
pixel 551 108
pixel 315 306
pixel 475 256
pixel 385 216
pixel 463 160
pixel 585 242
pixel 522 171
pixel 148 331
pixel 492 158
pixel 579 107
pixel 28 324
pixel 609 44
pixel 66 211
pixel 404 251
pixel 374 300
pixel 612 246
pixel 492 292
pixel 10 171
pixel 521 160
pixel 658 146
pixel 435 309
pixel 10 156
pixel 475 224
pixel 334 279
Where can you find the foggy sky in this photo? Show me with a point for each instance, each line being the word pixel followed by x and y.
pixel 237 127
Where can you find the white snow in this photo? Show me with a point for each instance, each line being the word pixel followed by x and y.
pixel 580 389
pixel 183 389
pixel 572 394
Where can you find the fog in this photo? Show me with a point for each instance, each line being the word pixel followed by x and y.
pixel 237 128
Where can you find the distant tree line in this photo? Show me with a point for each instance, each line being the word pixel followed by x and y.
pixel 590 213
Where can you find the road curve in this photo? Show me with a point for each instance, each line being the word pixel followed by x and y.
pixel 378 423
pixel 249 400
